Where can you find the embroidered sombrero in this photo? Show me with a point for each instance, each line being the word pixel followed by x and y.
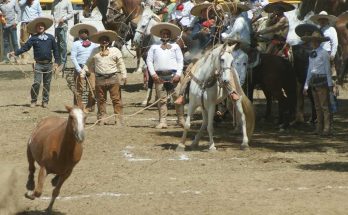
pixel 48 22
pixel 315 36
pixel 305 29
pixel 227 6
pixel 279 5
pixel 74 31
pixel 156 29
pixel 324 15
pixel 196 10
pixel 110 34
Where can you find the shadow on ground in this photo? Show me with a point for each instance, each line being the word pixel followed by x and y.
pixel 330 166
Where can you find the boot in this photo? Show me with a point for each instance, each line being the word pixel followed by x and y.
pixel 162 124
pixel 119 121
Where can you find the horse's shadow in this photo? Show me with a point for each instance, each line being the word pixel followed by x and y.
pixel 39 212
pixel 172 146
pixel 15 105
pixel 331 166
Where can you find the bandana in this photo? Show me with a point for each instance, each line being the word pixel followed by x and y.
pixel 208 23
pixel 86 43
pixel 180 7
pixel 43 36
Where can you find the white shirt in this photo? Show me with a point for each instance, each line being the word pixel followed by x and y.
pixel 62 9
pixel 331 45
pixel 319 65
pixel 241 26
pixel 257 7
pixel 240 63
pixel 185 16
pixel 164 60
pixel 80 54
pixel 29 13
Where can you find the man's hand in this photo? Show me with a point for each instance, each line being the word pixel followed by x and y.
pixel 11 54
pixel 156 79
pixel 83 73
pixel 176 79
pixel 14 26
pixel 305 93
pixel 124 81
pixel 55 67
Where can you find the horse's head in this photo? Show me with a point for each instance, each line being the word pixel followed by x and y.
pixel 226 59
pixel 148 19
pixel 77 120
pixel 88 6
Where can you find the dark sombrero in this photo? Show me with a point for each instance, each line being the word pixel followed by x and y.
pixel 317 36
pixel 306 29
pixel 279 5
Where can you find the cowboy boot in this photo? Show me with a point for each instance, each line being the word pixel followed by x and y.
pixel 119 121
pixel 163 116
pixel 180 113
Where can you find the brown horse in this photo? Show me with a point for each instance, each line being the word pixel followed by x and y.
pixel 56 145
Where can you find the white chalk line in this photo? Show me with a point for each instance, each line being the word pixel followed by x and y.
pixel 115 195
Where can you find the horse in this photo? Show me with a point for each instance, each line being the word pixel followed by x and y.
pixel 277 80
pixel 213 67
pixel 56 145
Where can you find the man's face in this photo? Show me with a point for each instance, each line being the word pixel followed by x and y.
pixel 204 13
pixel 323 22
pixel 315 44
pixel 165 34
pixel 40 27
pixel 83 34
pixel 104 41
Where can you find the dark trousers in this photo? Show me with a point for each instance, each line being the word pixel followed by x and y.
pixel 43 72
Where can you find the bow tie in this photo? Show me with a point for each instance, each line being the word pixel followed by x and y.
pixel 166 46
pixel 43 37
pixel 86 43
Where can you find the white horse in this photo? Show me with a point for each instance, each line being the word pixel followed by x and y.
pixel 143 40
pixel 213 68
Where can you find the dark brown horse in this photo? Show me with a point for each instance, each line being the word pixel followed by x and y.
pixel 277 80
pixel 56 145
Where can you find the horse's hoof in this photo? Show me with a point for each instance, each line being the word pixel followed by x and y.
pixel 212 149
pixel 180 148
pixel 29 195
pixel 244 147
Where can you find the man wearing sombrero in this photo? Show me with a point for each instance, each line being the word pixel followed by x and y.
pixel 165 65
pixel 320 81
pixel 278 25
pixel 241 24
pixel 326 23
pixel 181 15
pixel 80 52
pixel 110 72
pixel 44 45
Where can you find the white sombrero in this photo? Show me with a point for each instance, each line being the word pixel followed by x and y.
pixel 227 6
pixel 48 22
pixel 324 15
pixel 74 31
pixel 156 29
pixel 196 10
pixel 271 7
pixel 110 34
pixel 315 36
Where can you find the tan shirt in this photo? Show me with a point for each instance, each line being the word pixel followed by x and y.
pixel 113 63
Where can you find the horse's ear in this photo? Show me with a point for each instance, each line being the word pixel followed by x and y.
pixel 68 108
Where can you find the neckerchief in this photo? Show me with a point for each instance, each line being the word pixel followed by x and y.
pixel 86 43
pixel 165 46
pixel 42 36
pixel 104 51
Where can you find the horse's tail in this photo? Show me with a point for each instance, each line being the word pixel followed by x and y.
pixel 249 113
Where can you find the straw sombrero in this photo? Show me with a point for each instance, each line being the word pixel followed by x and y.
pixel 48 22
pixel 306 29
pixel 74 31
pixel 271 7
pixel 342 20
pixel 196 10
pixel 111 34
pixel 156 29
pixel 315 36
pixel 324 15
pixel 227 6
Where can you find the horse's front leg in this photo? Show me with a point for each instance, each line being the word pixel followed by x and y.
pixel 240 110
pixel 56 190
pixel 40 182
pixel 198 136
pixel 210 127
pixel 187 125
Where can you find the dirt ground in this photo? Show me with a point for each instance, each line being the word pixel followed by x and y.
pixel 134 170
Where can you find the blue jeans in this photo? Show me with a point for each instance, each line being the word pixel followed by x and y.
pixel 10 40
pixel 61 36
pixel 42 72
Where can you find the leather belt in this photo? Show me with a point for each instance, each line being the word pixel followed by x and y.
pixel 166 72
pixel 105 75
pixel 43 61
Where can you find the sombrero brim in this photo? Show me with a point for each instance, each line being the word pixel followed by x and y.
pixel 196 10
pixel 48 22
pixel 175 30
pixel 302 29
pixel 270 8
pixel 74 31
pixel 342 20
pixel 332 19
pixel 110 34
pixel 310 38
pixel 228 5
